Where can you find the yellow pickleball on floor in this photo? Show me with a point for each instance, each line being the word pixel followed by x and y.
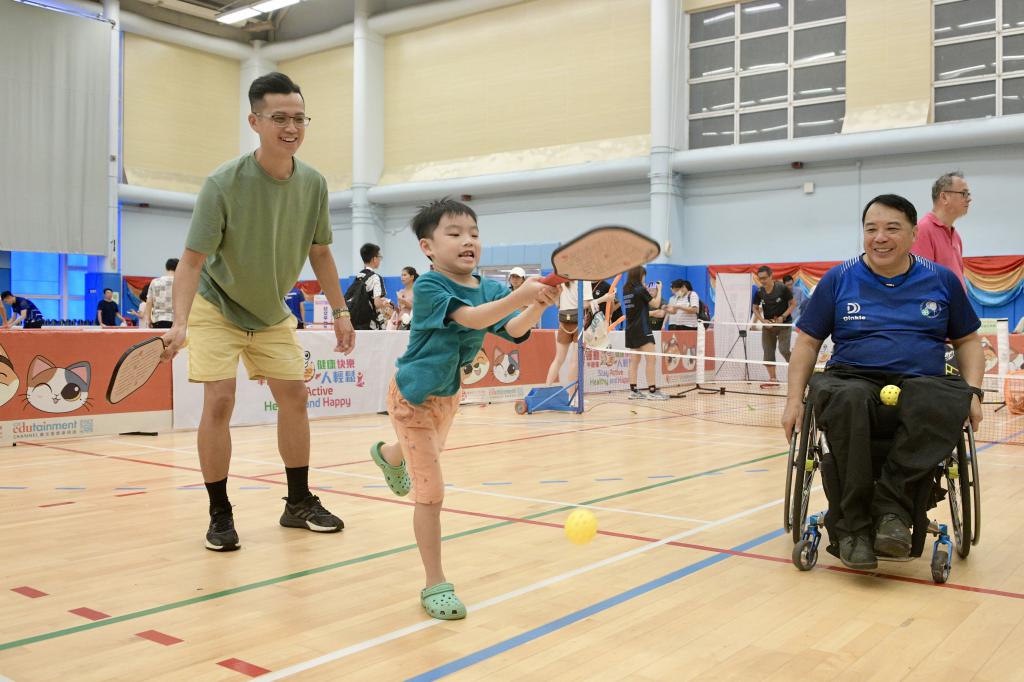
pixel 581 526
pixel 890 395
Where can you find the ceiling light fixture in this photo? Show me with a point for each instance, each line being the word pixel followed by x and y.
pixel 236 16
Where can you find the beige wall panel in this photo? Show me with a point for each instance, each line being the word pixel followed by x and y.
pixel 701 5
pixel 326 82
pixel 888 64
pixel 180 114
pixel 535 85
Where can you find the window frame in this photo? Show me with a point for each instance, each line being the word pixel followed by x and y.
pixel 736 109
pixel 997 34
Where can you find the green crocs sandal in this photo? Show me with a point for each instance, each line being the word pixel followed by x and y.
pixel 440 602
pixel 397 477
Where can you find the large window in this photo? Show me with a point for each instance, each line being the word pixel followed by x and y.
pixel 766 70
pixel 979 58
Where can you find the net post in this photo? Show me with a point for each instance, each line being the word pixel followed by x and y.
pixel 580 319
pixel 701 352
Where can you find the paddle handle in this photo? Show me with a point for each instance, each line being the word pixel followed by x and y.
pixel 553 280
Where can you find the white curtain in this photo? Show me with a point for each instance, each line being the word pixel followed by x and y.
pixel 55 84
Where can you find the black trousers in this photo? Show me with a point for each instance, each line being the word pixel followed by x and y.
pixel 162 324
pixel 910 440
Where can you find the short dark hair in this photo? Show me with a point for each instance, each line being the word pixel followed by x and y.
pixel 273 83
pixel 787 278
pixel 764 268
pixel 171 264
pixel 892 201
pixel 943 183
pixel 676 284
pixel 5 294
pixel 108 289
pixel 368 252
pixel 429 216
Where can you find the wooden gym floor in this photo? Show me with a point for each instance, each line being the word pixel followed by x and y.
pixel 105 576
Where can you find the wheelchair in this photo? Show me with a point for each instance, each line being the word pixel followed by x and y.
pixel 956 479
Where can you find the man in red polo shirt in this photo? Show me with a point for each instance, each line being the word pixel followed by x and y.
pixel 937 238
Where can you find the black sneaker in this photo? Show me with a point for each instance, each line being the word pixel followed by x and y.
pixel 310 514
pixel 855 552
pixel 221 536
pixel 892 539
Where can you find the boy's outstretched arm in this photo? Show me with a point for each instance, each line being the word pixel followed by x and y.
pixel 522 323
pixel 486 314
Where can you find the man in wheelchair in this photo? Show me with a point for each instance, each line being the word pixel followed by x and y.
pixel 889 314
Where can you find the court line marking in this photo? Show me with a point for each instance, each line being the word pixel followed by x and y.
pixel 513 594
pixel 576 616
pixel 530 519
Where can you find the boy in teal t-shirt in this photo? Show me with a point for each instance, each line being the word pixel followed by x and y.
pixel 453 310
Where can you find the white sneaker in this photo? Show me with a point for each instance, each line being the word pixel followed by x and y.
pixel 656 395
pixel 636 395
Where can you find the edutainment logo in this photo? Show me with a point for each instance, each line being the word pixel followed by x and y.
pixel 852 312
pixel 931 309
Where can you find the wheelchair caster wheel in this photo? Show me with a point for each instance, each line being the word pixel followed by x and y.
pixel 520 406
pixel 805 555
pixel 940 565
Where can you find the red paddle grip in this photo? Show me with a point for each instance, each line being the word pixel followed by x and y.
pixel 553 280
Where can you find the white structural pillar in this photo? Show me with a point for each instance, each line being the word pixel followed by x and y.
pixel 111 259
pixel 666 198
pixel 367 129
pixel 252 68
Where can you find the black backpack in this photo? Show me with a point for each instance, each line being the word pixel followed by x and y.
pixel 360 301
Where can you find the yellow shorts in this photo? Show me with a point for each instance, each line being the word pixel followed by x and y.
pixel 214 345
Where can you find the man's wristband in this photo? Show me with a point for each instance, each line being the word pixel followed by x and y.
pixel 977 391
pixel 338 313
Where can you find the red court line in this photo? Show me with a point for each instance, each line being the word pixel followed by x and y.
pixel 498 517
pixel 56 504
pixel 241 666
pixel 137 492
pixel 158 637
pixel 30 592
pixel 90 614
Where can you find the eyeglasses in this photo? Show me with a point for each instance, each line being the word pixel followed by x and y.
pixel 966 194
pixel 281 120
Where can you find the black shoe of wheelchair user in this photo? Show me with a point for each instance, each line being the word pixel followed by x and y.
pixel 892 538
pixel 855 552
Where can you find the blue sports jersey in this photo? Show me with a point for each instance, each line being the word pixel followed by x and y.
pixel 294 300
pixel 32 313
pixel 897 324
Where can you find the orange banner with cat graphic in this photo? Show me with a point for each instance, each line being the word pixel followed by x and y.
pixel 53 384
pixel 503 370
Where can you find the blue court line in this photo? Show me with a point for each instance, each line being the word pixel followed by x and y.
pixel 662 476
pixel 13 487
pixel 555 481
pixel 607 479
pixel 129 488
pixel 496 483
pixel 999 442
pixel 546 629
pixel 755 471
pixel 71 487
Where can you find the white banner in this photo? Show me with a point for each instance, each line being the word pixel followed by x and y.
pixel 336 384
pixel 72 426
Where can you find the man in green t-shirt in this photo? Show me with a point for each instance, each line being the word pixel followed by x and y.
pixel 257 218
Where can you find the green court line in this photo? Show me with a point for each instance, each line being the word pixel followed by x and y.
pixel 350 562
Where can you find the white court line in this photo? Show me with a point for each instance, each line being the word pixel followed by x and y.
pixel 533 587
pixel 487 493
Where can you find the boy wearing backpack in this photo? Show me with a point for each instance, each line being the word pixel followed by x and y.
pixel 366 296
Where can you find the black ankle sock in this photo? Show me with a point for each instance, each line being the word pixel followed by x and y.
pixel 298 483
pixel 632 387
pixel 218 491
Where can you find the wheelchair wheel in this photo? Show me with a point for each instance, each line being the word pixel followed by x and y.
pixel 958 490
pixel 805 555
pixel 972 454
pixel 801 475
pixel 940 565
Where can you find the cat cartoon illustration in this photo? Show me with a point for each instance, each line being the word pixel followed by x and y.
pixel 8 378
pixel 58 389
pixel 308 369
pixel 476 370
pixel 671 347
pixel 506 365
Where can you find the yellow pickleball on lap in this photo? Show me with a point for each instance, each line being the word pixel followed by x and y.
pixel 890 395
pixel 581 526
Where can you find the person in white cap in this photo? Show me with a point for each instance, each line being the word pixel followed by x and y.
pixel 516 277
